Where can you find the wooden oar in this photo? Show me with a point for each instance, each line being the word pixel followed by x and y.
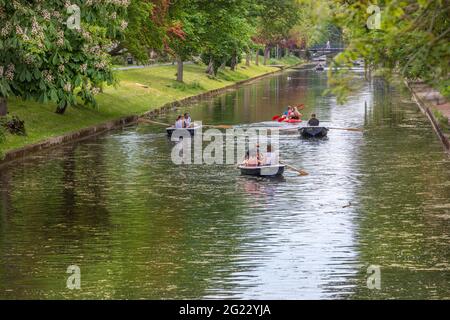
pixel 219 126
pixel 347 129
pixel 145 120
pixel 301 172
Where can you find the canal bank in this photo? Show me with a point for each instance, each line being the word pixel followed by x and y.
pixel 227 82
pixel 435 107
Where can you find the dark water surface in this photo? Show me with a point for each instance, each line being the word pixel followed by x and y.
pixel 139 226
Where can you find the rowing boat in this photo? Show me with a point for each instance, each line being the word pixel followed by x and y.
pixel 313 132
pixel 262 171
pixel 192 130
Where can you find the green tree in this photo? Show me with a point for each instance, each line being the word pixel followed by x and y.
pixel 228 33
pixel 145 31
pixel 185 31
pixel 43 56
pixel 276 19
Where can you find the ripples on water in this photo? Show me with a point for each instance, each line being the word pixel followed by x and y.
pixel 141 227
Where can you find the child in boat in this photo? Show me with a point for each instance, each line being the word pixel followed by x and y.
pixel 287 114
pixel 187 121
pixel 179 122
pixel 313 122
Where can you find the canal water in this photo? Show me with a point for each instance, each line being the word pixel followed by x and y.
pixel 140 227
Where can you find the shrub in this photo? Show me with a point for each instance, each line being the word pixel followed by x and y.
pixel 13 125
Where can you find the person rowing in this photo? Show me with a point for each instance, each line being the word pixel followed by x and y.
pixel 313 122
pixel 295 114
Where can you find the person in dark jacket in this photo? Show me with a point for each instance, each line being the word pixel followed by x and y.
pixel 313 122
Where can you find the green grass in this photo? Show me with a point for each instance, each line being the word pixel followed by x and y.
pixel 139 90
pixel 290 60
pixel 442 120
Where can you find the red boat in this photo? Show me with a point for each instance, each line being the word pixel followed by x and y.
pixel 292 120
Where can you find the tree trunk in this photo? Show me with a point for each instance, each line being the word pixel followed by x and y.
pixel 257 57
pixel 233 63
pixel 61 109
pixel 3 106
pixel 223 65
pixel 210 68
pixel 180 70
pixel 266 54
pixel 248 58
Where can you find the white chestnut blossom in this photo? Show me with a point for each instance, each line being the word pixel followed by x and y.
pixel 67 87
pixel 95 90
pixel 48 77
pixel 83 68
pixel 9 74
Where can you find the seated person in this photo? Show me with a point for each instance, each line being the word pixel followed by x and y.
pixel 271 157
pixel 187 121
pixel 250 161
pixel 295 114
pixel 179 122
pixel 287 114
pixel 313 122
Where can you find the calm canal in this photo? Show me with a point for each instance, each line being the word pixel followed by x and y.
pixel 140 227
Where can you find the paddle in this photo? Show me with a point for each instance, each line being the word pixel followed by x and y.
pixel 145 120
pixel 347 129
pixel 219 126
pixel 301 172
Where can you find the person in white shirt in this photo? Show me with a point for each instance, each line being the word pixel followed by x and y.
pixel 179 122
pixel 187 120
pixel 270 158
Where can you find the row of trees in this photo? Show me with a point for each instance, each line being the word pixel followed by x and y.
pixel 46 55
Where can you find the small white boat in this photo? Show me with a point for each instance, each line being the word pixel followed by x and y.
pixel 192 130
pixel 262 171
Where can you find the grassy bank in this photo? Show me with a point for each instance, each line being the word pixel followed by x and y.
pixel 139 90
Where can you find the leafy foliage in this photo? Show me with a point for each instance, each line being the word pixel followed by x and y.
pixel 42 59
pixel 412 40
